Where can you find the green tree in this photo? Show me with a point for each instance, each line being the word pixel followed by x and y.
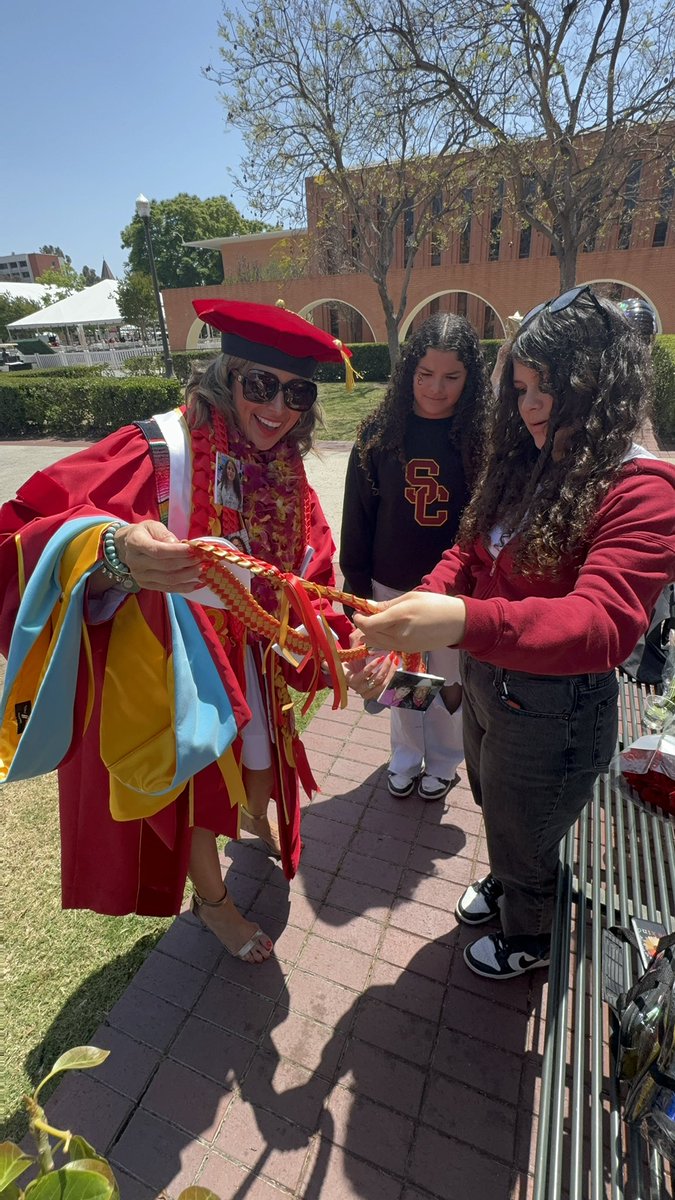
pixel 136 300
pixel 65 281
pixel 49 249
pixel 185 219
pixel 575 99
pixel 90 277
pixel 322 109
pixel 12 308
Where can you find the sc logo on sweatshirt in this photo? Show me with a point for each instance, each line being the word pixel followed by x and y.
pixel 425 493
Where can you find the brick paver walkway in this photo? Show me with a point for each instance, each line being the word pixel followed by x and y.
pixel 363 1060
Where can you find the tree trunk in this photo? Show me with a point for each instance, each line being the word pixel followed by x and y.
pixel 392 340
pixel 568 266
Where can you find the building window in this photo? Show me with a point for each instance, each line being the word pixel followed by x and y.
pixel 665 208
pixel 489 322
pixel 465 235
pixel 496 222
pixel 462 299
pixel 355 247
pixel 436 210
pixel 525 242
pixel 630 200
pixel 434 305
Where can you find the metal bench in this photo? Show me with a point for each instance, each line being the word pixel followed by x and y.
pixel 616 863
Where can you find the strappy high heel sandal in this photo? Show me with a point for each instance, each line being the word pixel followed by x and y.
pixel 255 942
pixel 255 825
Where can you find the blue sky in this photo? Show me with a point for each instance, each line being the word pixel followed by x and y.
pixel 105 101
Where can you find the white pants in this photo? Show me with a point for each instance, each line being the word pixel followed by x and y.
pixel 428 741
pixel 256 752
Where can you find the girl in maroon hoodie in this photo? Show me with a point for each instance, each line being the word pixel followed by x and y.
pixel 567 542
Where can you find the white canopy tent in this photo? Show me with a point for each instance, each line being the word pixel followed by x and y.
pixel 96 305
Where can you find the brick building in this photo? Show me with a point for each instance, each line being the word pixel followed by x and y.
pixel 487 268
pixel 26 268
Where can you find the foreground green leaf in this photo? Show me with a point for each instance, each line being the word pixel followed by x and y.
pixel 13 1162
pixel 79 1058
pixel 82 1180
pixel 198 1193
pixel 81 1148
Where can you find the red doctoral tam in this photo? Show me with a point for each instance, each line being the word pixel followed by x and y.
pixel 272 336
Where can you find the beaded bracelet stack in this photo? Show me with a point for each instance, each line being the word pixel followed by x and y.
pixel 113 568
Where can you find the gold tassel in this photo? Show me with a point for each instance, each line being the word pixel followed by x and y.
pixel 350 374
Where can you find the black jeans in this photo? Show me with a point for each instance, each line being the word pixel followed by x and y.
pixel 534 746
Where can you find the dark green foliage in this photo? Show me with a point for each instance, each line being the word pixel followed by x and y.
pixel 153 364
pixel 180 220
pixel 67 372
pixel 13 308
pixel 86 407
pixel 369 359
pixel 663 409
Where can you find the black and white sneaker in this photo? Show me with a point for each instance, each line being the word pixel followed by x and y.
pixel 431 787
pixel 400 785
pixel 480 901
pixel 499 957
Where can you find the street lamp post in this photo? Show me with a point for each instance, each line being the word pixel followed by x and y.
pixel 143 210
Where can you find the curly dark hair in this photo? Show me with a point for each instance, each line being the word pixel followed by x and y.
pixel 208 387
pixel 385 427
pixel 598 372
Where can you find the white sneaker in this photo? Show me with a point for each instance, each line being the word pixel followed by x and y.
pixel 433 788
pixel 401 785
pixel 480 901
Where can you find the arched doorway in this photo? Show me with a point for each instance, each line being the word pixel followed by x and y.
pixel 339 318
pixel 477 310
pixel 202 337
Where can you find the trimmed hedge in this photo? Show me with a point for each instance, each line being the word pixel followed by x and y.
pixel 151 365
pixel 78 402
pixel 663 408
pixel 68 372
pixel 87 407
pixel 370 359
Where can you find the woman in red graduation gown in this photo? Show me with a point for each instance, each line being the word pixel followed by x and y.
pixel 255 404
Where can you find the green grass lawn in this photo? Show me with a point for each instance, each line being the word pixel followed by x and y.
pixel 344 411
pixel 64 971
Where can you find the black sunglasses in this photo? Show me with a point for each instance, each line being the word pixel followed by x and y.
pixel 561 302
pixel 261 387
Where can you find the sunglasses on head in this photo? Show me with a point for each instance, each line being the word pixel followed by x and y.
pixel 261 387
pixel 561 302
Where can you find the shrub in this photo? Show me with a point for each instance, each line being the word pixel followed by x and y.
pixel 663 407
pixel 153 364
pixel 85 406
pixel 370 359
pixel 68 372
